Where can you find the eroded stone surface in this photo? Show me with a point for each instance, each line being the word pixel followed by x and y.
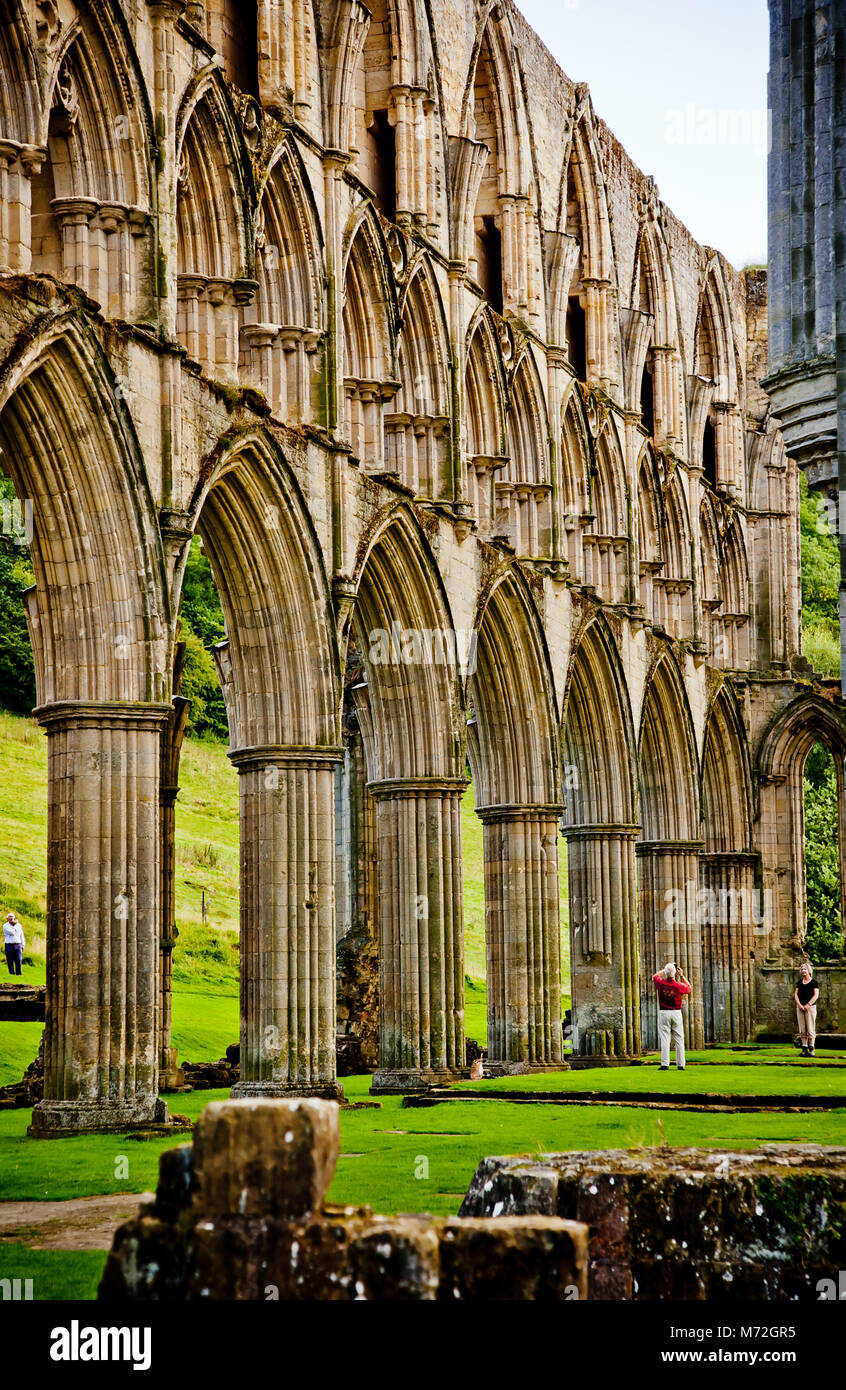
pixel 686 1223
pixel 232 1219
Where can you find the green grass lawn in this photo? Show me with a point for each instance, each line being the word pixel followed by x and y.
pixel 759 1080
pixel 392 1159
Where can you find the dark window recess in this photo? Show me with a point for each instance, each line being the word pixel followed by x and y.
pixel 577 338
pixel 647 400
pixel 384 176
pixel 709 454
pixel 240 44
pixel 489 255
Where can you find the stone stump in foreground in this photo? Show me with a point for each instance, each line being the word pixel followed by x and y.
pixel 687 1223
pixel 240 1214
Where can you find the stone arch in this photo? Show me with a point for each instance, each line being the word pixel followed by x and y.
pixel 19 89
pixel 731 910
pixel 600 799
pixel 281 334
pixel 289 267
pixel 214 248
pixel 668 852
pixel 414 756
pixel 734 615
pixel 213 196
pixel 484 418
pixel 369 333
pixel 99 622
pixel 653 337
pixel 576 473
pixel 591 328
pixel 279 673
pixel 417 440
pixel 667 757
pixel 411 685
pixel 715 421
pixel 513 700
pixel 599 779
pixel 502 201
pixel 91 196
pixel 650 530
pixel 772 488
pixel 606 543
pixel 281 662
pixel 99 612
pixel 512 738
pixel 782 754
pixel 484 387
pixel 726 777
pixel 523 490
pixel 674 586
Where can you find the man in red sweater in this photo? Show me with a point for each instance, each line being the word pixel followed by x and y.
pixel 672 987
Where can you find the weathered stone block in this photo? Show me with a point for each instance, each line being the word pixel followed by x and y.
pixel 686 1223
pixel 541 1260
pixel 265 1158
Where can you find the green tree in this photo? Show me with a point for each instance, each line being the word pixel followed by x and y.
pixel 820 583
pixel 822 860
pixel 17 670
pixel 201 627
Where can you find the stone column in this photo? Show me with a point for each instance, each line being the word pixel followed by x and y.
pixel 522 933
pixel 173 734
pixel 604 959
pixel 287 812
pixel 735 928
pixel 421 940
pixel 101 1036
pixel 670 930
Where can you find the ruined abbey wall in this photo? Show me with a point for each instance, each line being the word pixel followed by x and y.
pixel 471 429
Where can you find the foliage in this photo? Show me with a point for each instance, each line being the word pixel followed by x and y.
pixel 824 937
pixel 17 672
pixel 820 582
pixel 201 628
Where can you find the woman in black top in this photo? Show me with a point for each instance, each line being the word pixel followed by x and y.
pixel 806 994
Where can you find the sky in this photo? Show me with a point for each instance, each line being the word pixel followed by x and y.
pixel 683 86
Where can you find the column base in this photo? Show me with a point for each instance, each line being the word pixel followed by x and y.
pixel 391 1082
pixel 51 1119
pixel 585 1063
pixel 281 1090
pixel 498 1067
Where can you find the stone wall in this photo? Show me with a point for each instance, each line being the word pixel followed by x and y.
pixel 776 1006
pixel 240 1214
pixel 686 1223
pixel 372 300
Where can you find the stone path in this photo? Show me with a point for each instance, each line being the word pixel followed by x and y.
pixel 82 1223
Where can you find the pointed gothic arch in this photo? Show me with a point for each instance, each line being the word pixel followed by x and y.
pixel 283 326
pixel 668 852
pixel 523 489
pixel 214 250
pixel 733 914
pixel 716 426
pixel 417 443
pixel 99 610
pixel 369 318
pixel 405 705
pixel 600 809
pixel 91 196
pixel 513 749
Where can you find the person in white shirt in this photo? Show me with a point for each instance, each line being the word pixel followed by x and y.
pixel 14 942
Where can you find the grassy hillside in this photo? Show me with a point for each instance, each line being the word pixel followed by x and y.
pixel 206 959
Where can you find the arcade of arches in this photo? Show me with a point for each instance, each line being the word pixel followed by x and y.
pixel 472 432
